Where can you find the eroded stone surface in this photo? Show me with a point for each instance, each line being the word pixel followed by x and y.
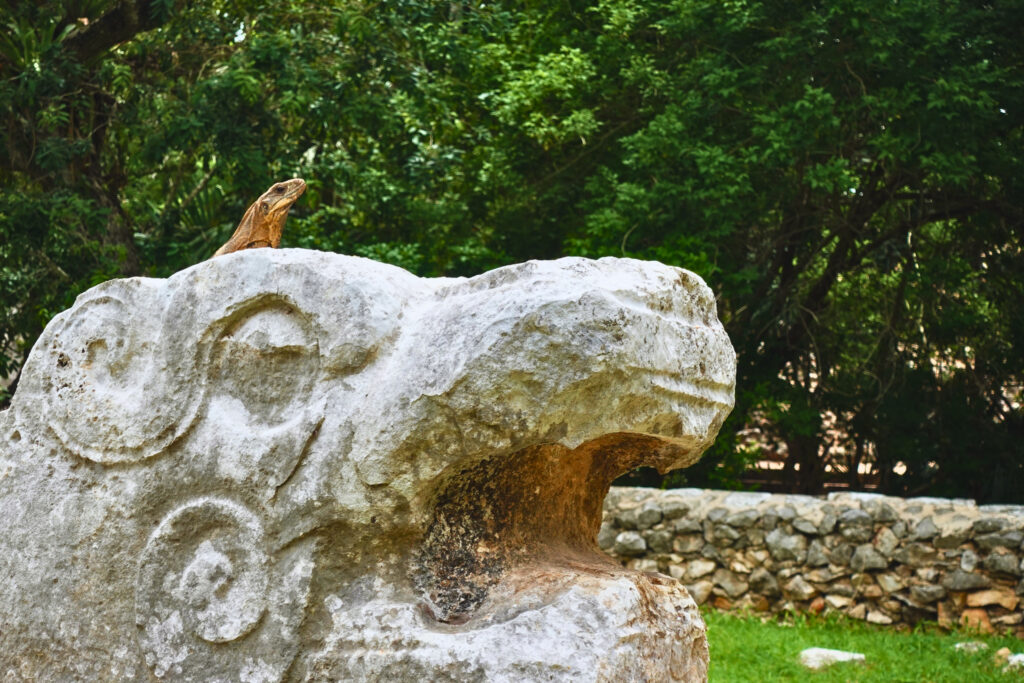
pixel 289 465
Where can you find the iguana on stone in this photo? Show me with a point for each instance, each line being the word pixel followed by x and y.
pixel 263 222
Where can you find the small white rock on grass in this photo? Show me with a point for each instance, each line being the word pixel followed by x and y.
pixel 971 646
pixel 1015 663
pixel 820 657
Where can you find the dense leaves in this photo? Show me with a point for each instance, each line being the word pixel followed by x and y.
pixel 846 176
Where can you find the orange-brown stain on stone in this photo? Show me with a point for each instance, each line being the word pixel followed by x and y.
pixel 522 519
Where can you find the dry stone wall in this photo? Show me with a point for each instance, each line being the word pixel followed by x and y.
pixel 886 560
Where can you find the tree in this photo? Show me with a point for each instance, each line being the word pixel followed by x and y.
pixel 848 174
pixel 846 177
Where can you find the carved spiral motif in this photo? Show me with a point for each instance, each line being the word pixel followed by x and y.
pixel 206 564
pixel 209 601
pixel 112 397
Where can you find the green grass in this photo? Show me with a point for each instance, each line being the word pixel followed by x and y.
pixel 745 649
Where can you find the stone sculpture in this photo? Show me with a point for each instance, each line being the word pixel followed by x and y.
pixel 292 465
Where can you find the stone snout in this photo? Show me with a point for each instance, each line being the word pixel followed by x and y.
pixel 529 399
pixel 560 352
pixel 289 465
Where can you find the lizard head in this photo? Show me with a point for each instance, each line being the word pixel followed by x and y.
pixel 275 202
pixel 263 222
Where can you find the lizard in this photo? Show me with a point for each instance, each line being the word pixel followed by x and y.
pixel 263 222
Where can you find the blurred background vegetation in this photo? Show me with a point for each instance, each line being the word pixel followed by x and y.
pixel 847 176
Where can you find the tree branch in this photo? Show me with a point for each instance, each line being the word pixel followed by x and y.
pixel 123 22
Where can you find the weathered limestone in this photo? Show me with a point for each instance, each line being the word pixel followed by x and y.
pixel 885 560
pixel 971 646
pixel 820 657
pixel 289 465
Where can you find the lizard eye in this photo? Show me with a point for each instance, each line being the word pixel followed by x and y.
pixel 278 189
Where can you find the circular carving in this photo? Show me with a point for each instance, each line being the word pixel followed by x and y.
pixel 265 360
pixel 211 603
pixel 206 562
pixel 112 397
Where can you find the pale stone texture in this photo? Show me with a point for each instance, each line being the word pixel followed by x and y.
pixel 820 657
pixel 1014 664
pixel 283 464
pixel 971 646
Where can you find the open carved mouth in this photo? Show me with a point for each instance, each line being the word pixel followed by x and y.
pixel 504 519
pixel 643 376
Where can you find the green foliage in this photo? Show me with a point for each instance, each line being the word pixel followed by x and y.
pixel 846 177
pixel 749 648
pixel 840 176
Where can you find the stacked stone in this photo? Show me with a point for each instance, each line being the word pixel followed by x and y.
pixel 882 559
